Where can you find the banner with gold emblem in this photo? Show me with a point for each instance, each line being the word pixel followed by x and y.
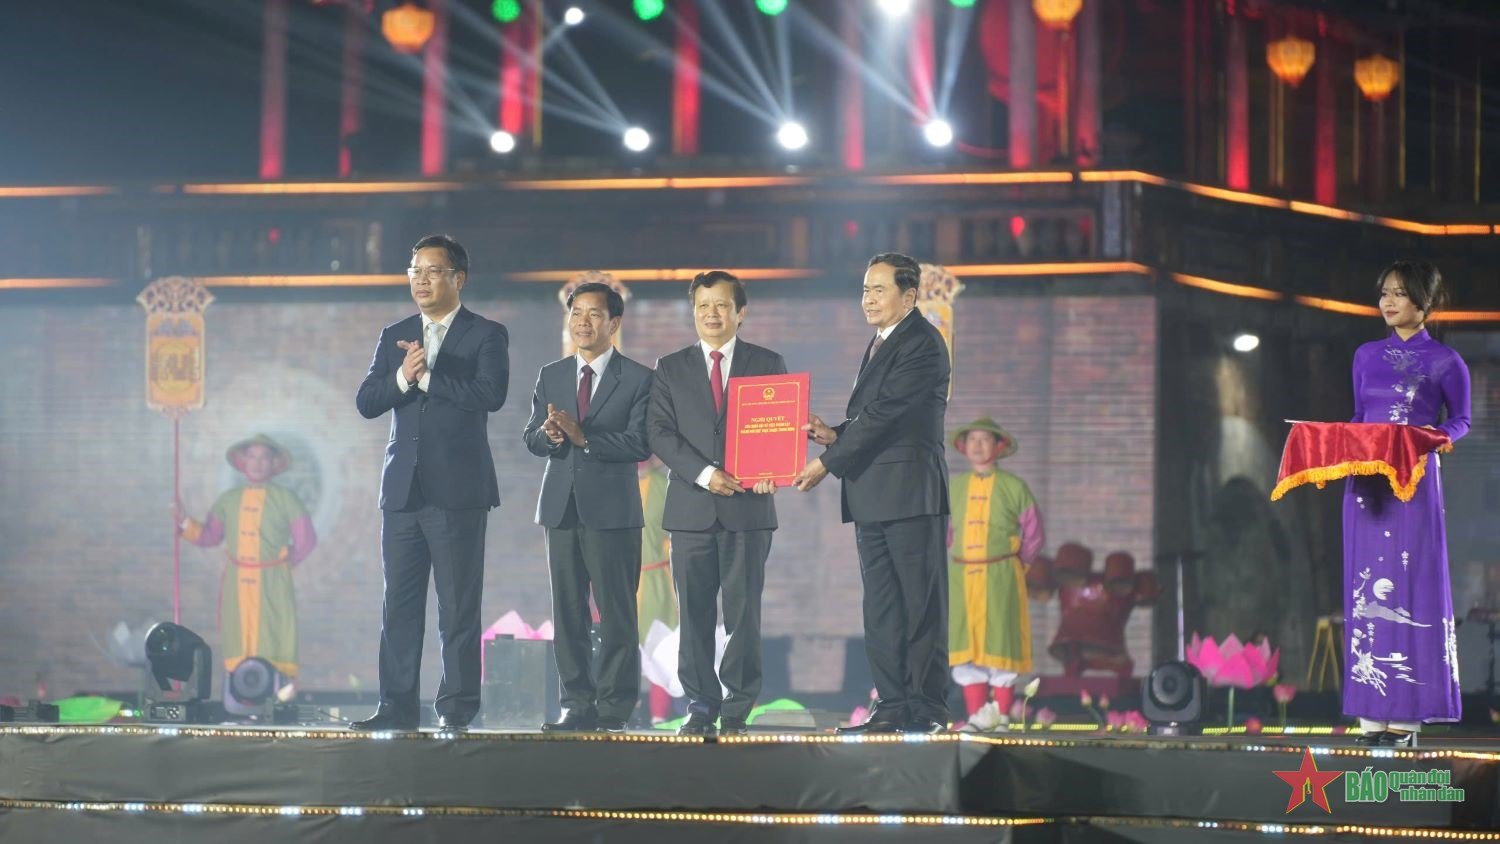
pixel 935 298
pixel 174 343
pixel 567 290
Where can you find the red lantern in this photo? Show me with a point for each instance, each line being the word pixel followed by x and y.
pixel 1376 76
pixel 408 27
pixel 1291 58
pixel 1057 14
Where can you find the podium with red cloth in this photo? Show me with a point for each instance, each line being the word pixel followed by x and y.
pixel 1319 452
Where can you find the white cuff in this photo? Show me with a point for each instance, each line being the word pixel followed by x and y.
pixel 425 381
pixel 401 383
pixel 705 476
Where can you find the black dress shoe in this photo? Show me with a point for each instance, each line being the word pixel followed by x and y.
pixel 924 725
pixel 880 722
pixel 576 721
pixel 615 726
pixel 1398 738
pixel 386 719
pixel 452 725
pixel 732 727
pixel 697 725
pixel 1371 739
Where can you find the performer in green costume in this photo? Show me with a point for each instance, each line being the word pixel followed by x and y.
pixel 656 598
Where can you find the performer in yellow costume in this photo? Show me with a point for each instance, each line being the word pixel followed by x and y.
pixel 996 533
pixel 656 597
pixel 268 532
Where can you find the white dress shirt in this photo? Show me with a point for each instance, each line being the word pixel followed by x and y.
pixel 708 363
pixel 431 343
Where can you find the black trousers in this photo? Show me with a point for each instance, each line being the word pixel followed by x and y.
pixel 903 566
pixel 449 544
pixel 707 565
pixel 610 561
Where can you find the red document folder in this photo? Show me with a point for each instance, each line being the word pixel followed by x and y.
pixel 764 438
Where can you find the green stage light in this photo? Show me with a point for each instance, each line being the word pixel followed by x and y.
pixel 648 10
pixel 774 7
pixel 962 4
pixel 506 11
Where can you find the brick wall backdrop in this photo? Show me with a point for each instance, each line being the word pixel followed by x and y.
pixel 86 471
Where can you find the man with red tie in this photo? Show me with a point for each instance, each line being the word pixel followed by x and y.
pixel 721 531
pixel 588 419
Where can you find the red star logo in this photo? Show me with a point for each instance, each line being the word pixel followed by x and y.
pixel 1306 780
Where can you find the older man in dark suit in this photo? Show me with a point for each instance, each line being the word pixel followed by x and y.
pixel 442 372
pixel 888 452
pixel 721 531
pixel 588 418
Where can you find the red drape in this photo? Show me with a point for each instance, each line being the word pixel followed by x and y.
pixel 1319 452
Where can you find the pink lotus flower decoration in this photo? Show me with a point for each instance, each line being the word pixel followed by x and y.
pixel 1135 722
pixel 1045 717
pixel 1253 725
pixel 1232 663
pixel 513 626
pixel 1284 692
pixel 1115 720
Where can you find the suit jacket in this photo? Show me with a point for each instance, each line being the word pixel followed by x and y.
pixel 889 452
pixel 603 481
pixel 688 435
pixel 439 436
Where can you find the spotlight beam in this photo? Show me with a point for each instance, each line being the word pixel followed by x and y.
pixel 773 67
pixel 960 21
pixel 631 33
pixel 784 62
pixel 829 41
pixel 720 19
pixel 589 79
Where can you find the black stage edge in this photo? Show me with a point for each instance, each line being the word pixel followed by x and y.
pixel 231 784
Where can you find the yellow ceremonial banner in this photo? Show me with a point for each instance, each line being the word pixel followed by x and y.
pixel 567 290
pixel 935 298
pixel 174 343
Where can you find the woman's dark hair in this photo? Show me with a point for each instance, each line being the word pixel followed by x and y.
pixel 1421 281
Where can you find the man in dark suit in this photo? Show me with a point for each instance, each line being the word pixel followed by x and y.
pixel 721 532
pixel 442 372
pixel 588 418
pixel 888 452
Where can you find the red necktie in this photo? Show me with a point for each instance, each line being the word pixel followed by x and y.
pixel 716 381
pixel 585 390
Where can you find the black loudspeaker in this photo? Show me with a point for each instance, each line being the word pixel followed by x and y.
pixel 520 684
pixel 1173 698
pixel 34 712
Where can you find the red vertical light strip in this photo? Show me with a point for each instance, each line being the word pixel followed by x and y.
pixel 533 87
pixel 434 92
pixel 1022 85
pixel 685 81
pixel 1325 139
pixel 1087 108
pixel 851 89
pixel 920 61
pixel 353 85
pixel 1237 104
pixel 509 115
pixel 273 90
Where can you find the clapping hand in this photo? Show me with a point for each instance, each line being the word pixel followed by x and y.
pixel 563 423
pixel 415 364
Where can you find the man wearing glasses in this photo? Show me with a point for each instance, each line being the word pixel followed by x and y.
pixel 442 372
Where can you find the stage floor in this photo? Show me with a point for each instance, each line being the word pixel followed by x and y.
pixel 231 784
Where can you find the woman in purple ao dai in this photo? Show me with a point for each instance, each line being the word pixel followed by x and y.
pixel 1402 663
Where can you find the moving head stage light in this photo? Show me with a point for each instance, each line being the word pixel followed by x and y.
pixel 176 653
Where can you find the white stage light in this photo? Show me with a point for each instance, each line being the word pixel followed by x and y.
pixel 502 142
pixel 938 132
pixel 791 135
pixel 894 8
pixel 637 139
pixel 1246 343
pixel 573 16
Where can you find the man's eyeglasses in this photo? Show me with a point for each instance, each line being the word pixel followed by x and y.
pixel 433 274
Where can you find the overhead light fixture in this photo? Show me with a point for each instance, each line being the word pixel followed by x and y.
pixel 649 10
pixel 771 7
pixel 506 11
pixel 894 8
pixel 1246 342
pixel 502 142
pixel 938 132
pixel 636 139
pixel 573 16
pixel 791 135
